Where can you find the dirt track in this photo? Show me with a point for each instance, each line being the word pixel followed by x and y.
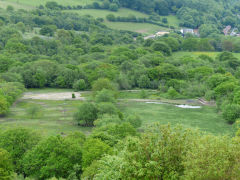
pixel 53 96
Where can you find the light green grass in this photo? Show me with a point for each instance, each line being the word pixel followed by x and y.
pixel 145 28
pixel 35 3
pixel 172 20
pixel 5 4
pixel 198 53
pixel 56 117
pixel 98 13
pixel 206 118
pixel 123 12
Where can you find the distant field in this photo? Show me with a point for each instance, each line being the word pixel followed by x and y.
pixel 98 13
pixel 198 53
pixel 144 28
pixel 34 3
pixel 206 118
pixel 172 20
pixel 124 12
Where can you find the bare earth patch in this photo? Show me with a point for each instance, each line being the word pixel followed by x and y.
pixel 53 96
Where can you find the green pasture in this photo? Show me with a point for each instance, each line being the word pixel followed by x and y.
pixel 56 117
pixel 34 3
pixel 99 13
pixel 206 119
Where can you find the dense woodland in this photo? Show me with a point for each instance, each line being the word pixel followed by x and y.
pixel 48 47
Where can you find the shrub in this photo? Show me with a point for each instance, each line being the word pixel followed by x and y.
pixel 53 157
pixel 94 149
pixel 231 112
pixel 105 96
pixel 162 47
pixel 102 83
pixel 107 108
pixel 79 85
pixel 134 120
pixel 106 119
pixel 212 158
pixel 17 142
pixel 86 114
pixel 4 106
pixel 34 111
pixel 73 96
pixel 6 166
pixel 143 94
pixel 172 93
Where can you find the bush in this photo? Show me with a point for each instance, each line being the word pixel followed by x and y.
pixel 4 106
pixel 6 166
pixel 105 96
pixel 162 47
pixel 94 149
pixel 107 108
pixel 53 157
pixel 79 85
pixel 86 114
pixel 172 93
pixel 102 83
pixel 143 94
pixel 34 111
pixel 17 142
pixel 134 120
pixel 231 112
pixel 73 96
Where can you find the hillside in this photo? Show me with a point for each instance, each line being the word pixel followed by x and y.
pixel 119 89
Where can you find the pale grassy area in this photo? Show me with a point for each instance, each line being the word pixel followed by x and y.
pixel 144 28
pixel 34 3
pixel 172 20
pixel 99 13
pixel 4 4
pixel 198 53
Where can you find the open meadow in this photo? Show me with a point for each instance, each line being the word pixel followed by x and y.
pixel 56 116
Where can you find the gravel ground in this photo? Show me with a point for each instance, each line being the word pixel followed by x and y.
pixel 53 96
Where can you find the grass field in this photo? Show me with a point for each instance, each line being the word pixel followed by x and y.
pixel 144 28
pixel 98 13
pixel 34 3
pixel 198 53
pixel 56 117
pixel 206 118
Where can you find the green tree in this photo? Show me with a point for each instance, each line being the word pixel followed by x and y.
pixel 231 112
pixel 105 95
pixel 102 83
pixel 134 120
pixel 17 142
pixel 94 149
pixel 4 106
pixel 86 114
pixel 6 166
pixel 53 157
pixel 162 47
pixel 79 85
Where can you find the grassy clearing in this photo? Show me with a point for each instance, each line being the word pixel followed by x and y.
pixel 206 118
pixel 35 3
pixel 198 53
pixel 135 27
pixel 55 117
pixel 5 4
pixel 172 20
pixel 145 28
pixel 98 13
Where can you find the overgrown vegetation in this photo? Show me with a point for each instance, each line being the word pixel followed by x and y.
pixel 49 47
